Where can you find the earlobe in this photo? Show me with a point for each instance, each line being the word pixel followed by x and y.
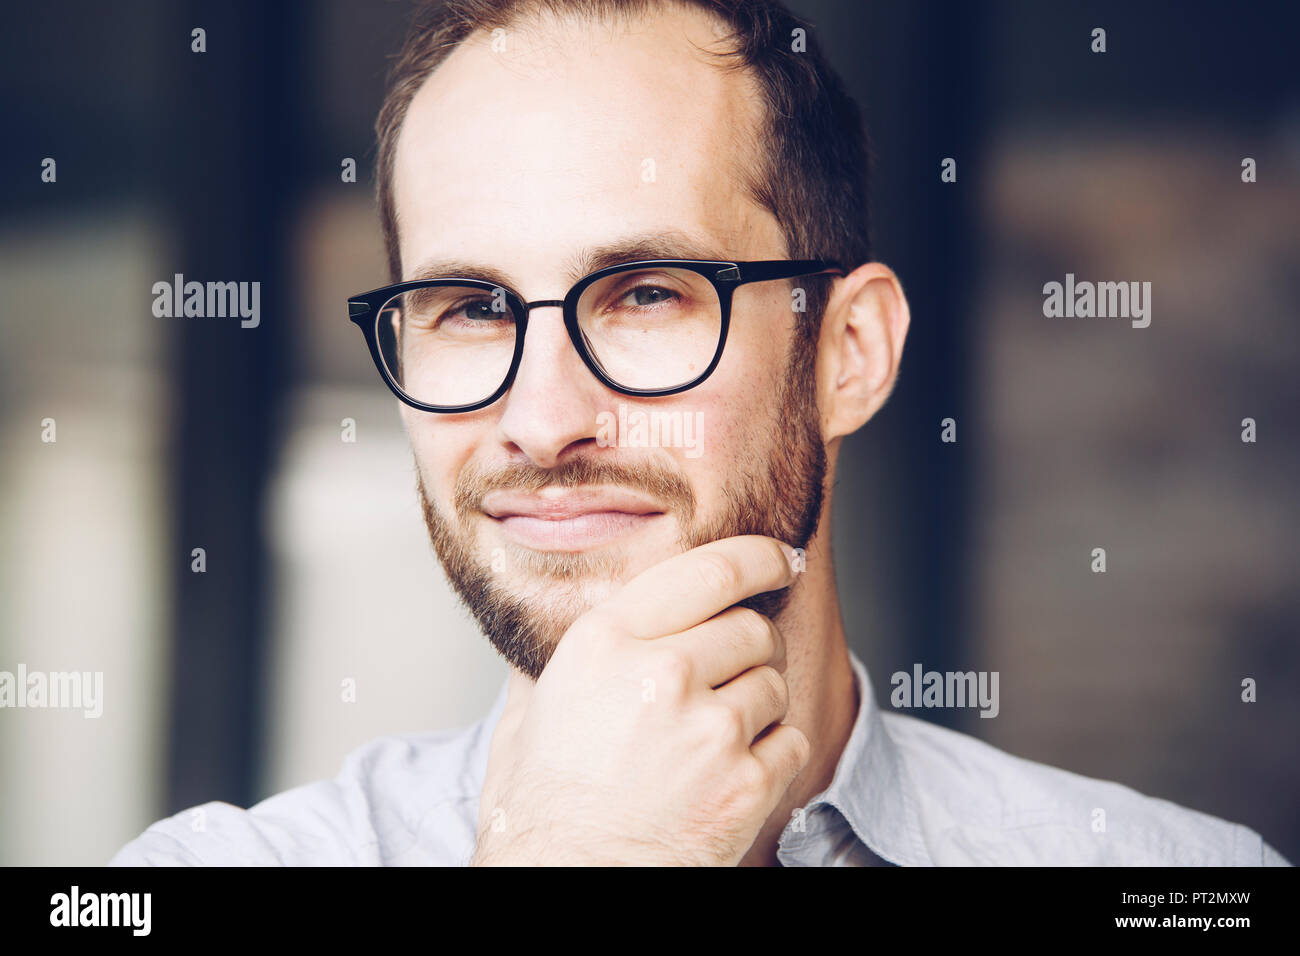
pixel 862 344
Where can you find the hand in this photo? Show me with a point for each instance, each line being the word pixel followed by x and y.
pixel 651 738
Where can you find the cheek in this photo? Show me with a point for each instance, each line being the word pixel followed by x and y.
pixel 441 449
pixel 739 399
pixel 763 324
pixel 736 417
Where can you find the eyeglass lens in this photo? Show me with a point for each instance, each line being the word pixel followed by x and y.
pixel 649 328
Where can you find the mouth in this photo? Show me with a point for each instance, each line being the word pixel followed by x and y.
pixel 569 519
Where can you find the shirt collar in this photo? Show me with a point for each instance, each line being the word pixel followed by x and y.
pixel 872 789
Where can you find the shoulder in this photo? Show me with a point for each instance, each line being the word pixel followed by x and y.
pixel 983 806
pixel 402 799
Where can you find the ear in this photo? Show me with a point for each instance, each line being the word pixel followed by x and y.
pixel 860 347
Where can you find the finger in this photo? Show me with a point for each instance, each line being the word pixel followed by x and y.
pixel 730 643
pixel 698 584
pixel 783 751
pixel 759 696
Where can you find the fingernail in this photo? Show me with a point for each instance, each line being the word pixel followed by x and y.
pixel 791 556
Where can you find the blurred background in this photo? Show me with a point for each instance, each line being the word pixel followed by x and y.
pixel 177 434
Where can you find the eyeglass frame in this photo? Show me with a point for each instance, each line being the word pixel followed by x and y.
pixel 725 277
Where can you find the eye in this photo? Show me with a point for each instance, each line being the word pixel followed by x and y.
pixel 646 295
pixel 470 313
pixel 473 310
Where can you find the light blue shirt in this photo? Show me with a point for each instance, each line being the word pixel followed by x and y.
pixel 905 792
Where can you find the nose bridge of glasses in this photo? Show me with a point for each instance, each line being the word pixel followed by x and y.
pixel 544 304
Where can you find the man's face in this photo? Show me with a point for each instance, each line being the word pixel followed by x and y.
pixel 527 160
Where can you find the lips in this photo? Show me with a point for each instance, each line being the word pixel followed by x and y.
pixel 561 504
pixel 569 519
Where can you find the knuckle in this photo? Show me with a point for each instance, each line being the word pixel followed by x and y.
pixel 802 746
pixel 673 667
pixel 751 624
pixel 775 687
pixel 750 776
pixel 729 726
pixel 773 643
pixel 718 572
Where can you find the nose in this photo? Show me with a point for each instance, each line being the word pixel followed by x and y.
pixel 554 400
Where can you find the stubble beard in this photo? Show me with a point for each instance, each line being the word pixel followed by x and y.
pixel 777 492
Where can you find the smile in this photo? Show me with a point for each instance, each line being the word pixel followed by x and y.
pixel 568 519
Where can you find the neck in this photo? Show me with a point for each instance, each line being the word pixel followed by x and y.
pixel 823 696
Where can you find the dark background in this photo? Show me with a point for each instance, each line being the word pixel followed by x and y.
pixel 975 555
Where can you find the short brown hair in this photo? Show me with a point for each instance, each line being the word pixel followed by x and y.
pixel 812 176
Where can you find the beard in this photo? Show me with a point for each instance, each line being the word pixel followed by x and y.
pixel 777 491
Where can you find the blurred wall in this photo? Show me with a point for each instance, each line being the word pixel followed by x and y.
pixel 1072 434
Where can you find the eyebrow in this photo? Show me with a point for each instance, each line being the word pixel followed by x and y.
pixel 666 244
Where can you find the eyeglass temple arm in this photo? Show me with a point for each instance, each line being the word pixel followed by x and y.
pixel 786 269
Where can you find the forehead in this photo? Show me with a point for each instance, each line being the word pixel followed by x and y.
pixel 576 134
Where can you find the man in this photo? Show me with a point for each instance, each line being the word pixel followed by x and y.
pixel 601 215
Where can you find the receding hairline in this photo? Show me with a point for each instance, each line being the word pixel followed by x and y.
pixel 541 17
pixel 549 15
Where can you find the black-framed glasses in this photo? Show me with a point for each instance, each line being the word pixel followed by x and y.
pixel 650 327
